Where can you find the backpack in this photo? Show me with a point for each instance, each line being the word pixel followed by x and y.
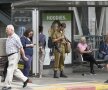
pixel 50 42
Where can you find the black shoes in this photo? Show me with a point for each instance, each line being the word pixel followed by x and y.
pixel 92 72
pixel 100 67
pixel 6 88
pixel 25 83
pixel 106 81
pixel 62 75
pixel 55 74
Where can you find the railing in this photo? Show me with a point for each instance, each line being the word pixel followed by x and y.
pixel 95 42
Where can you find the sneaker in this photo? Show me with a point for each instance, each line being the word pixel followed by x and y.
pixel 25 83
pixel 93 73
pixel 6 88
pixel 101 67
pixel 106 81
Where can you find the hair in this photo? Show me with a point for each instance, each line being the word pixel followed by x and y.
pixel 40 29
pixel 10 27
pixel 63 25
pixel 56 22
pixel 26 33
pixel 82 38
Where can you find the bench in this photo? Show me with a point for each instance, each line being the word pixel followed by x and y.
pixel 81 63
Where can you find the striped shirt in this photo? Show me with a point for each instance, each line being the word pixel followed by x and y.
pixel 13 44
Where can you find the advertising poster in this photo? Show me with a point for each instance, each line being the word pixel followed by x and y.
pixel 47 19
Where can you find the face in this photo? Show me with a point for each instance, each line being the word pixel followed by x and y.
pixel 30 34
pixel 56 27
pixel 83 41
pixel 62 28
pixel 9 31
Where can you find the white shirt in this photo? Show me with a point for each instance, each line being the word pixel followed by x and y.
pixel 13 44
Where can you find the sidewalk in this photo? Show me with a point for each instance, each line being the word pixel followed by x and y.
pixel 75 81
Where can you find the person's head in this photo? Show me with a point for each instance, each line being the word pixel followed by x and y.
pixel 40 29
pixel 28 33
pixel 55 25
pixel 9 30
pixel 63 26
pixel 83 40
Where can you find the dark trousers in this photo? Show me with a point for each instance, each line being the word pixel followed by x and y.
pixel 5 70
pixel 27 65
pixel 91 59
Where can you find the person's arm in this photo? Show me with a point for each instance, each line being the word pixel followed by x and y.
pixel 82 51
pixel 29 45
pixel 23 54
pixel 20 47
pixel 55 39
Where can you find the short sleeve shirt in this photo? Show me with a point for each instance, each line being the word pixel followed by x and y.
pixel 81 46
pixel 13 44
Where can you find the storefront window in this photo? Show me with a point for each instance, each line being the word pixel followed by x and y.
pixel 22 20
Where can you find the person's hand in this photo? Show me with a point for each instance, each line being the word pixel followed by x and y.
pixel 31 45
pixel 89 51
pixel 25 58
pixel 62 37
pixel 103 52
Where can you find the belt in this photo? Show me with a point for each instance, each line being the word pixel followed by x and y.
pixel 11 54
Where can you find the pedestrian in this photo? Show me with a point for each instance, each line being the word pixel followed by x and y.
pixel 42 44
pixel 28 48
pixel 13 48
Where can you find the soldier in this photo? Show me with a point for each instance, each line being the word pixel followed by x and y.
pixel 59 38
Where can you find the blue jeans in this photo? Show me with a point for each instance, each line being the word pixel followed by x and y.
pixel 27 65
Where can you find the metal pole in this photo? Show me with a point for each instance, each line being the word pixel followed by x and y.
pixel 35 15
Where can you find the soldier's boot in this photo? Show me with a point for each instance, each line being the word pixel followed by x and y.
pixel 62 74
pixel 55 74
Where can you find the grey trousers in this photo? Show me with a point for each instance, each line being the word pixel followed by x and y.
pixel 41 60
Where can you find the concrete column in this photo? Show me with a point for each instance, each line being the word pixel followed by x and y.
pixel 91 20
pixel 77 20
pixel 101 20
pixel 105 28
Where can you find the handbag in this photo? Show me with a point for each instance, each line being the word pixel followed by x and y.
pixel 21 64
pixel 67 47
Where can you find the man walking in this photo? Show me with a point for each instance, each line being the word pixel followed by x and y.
pixel 13 47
